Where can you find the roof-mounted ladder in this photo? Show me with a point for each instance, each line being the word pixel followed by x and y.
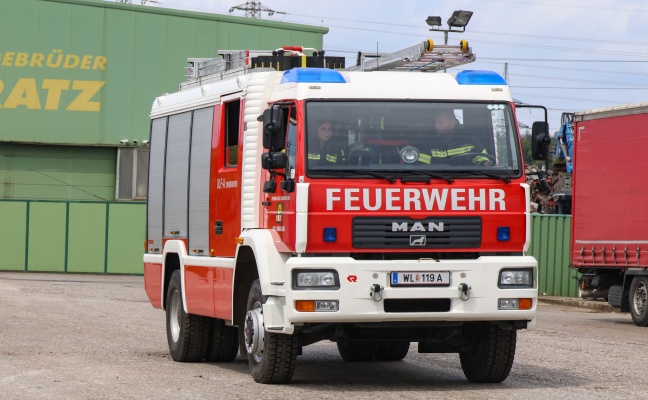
pixel 424 57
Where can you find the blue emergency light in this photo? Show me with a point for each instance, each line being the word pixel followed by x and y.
pixel 479 77
pixel 330 235
pixel 312 75
pixel 503 233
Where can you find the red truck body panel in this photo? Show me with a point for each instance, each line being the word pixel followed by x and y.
pixel 610 203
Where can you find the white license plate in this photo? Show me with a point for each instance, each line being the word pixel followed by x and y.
pixel 427 278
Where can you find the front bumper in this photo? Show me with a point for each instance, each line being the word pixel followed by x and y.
pixel 357 305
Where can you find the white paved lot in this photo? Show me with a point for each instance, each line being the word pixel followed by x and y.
pixel 97 337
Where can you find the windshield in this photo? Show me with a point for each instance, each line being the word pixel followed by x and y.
pixel 396 137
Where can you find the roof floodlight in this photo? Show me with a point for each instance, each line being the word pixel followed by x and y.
pixel 459 19
pixel 433 21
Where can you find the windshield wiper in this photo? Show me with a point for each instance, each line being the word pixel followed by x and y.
pixel 449 179
pixel 391 179
pixel 506 179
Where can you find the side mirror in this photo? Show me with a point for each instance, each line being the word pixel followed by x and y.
pixel 540 140
pixel 274 129
pixel 274 160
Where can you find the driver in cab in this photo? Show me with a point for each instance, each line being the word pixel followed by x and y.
pixel 323 147
pixel 448 143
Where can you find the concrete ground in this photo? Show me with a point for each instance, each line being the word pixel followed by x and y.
pixel 599 305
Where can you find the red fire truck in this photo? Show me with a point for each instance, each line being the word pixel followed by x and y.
pixel 609 244
pixel 262 238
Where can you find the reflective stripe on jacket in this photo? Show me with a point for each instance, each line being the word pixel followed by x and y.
pixel 435 153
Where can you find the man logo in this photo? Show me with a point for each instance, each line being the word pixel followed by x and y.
pixel 417 240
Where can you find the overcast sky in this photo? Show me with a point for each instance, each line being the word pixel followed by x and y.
pixel 568 55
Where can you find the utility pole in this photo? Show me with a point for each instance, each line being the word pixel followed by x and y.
pixel 506 73
pixel 254 8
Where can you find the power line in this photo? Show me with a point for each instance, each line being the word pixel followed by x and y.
pixel 598 71
pixel 561 60
pixel 580 88
pixel 509 44
pixel 570 98
pixel 563 5
pixel 507 34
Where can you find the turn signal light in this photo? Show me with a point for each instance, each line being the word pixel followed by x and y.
pixel 305 305
pixel 525 304
pixel 317 305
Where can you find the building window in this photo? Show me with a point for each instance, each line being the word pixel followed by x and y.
pixel 132 173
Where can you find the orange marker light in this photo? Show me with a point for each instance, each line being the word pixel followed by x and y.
pixel 525 304
pixel 305 305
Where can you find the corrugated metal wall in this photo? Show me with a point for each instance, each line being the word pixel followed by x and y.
pixel 57 172
pixel 69 236
pixel 550 241
pixel 98 237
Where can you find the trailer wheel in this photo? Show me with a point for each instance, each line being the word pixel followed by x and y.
pixel 490 358
pixel 187 335
pixel 223 343
pixel 639 300
pixel 356 351
pixel 272 357
pixel 394 351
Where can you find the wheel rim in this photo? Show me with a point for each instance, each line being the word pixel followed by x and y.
pixel 174 316
pixel 640 298
pixel 254 332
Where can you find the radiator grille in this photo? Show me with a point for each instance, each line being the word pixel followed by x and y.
pixel 407 233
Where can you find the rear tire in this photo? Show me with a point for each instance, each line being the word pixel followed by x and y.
pixel 491 356
pixel 187 335
pixel 223 344
pixel 272 357
pixel 356 351
pixel 394 351
pixel 639 300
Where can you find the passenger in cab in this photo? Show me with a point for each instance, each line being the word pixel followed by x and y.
pixel 447 143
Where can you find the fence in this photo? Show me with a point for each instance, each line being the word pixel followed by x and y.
pixel 550 244
pixel 108 238
pixel 72 236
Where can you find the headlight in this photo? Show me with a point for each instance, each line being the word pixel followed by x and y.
pixel 315 280
pixel 409 154
pixel 517 278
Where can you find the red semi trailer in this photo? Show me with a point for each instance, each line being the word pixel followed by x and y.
pixel 609 244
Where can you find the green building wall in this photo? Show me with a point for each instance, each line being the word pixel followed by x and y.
pixel 87 71
pixel 79 76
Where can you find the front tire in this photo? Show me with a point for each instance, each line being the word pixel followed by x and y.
pixel 272 357
pixel 490 358
pixel 639 300
pixel 187 335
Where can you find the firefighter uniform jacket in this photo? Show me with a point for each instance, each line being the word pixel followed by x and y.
pixel 326 155
pixel 444 152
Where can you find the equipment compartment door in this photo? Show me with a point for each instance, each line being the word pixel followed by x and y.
pixel 225 210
